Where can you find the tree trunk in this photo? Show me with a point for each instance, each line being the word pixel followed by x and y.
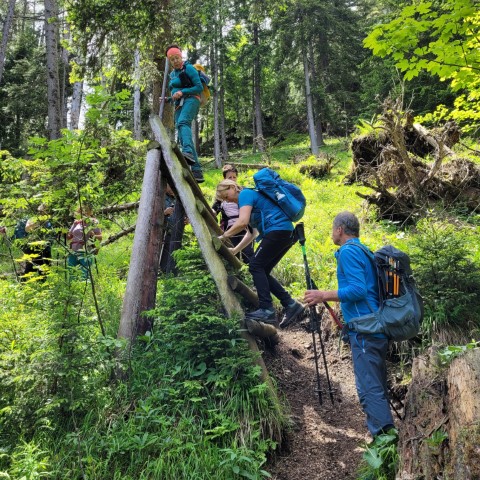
pixel 163 38
pixel 53 85
pixel 77 95
pixel 137 118
pixel 223 133
pixel 440 434
pixel 24 15
pixel 6 30
pixel 64 74
pixel 216 127
pixel 254 127
pixel 142 274
pixel 315 98
pixel 308 97
pixel 257 78
pixel 76 107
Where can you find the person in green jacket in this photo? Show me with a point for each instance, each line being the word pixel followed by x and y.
pixel 185 86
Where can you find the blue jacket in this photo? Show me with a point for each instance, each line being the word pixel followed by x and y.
pixel 175 83
pixel 357 281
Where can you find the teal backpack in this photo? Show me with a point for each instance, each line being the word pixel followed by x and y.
pixel 284 194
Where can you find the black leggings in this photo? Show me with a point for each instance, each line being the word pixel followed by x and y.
pixel 270 251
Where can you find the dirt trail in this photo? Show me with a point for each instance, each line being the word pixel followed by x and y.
pixel 325 440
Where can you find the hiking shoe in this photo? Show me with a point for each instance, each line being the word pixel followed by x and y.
pixel 198 176
pixel 262 315
pixel 291 313
pixel 189 158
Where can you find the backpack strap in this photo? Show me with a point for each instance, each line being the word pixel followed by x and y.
pixel 184 78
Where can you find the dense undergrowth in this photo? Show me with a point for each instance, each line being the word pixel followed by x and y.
pixel 194 405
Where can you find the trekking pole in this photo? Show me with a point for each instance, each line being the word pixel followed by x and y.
pixel 329 308
pixel 7 243
pixel 395 397
pixel 164 89
pixel 314 320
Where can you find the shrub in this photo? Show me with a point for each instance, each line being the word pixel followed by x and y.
pixel 448 279
pixel 380 459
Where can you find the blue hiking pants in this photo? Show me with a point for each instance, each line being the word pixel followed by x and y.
pixel 184 116
pixel 368 355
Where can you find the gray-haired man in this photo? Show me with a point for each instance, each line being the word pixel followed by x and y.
pixel 357 289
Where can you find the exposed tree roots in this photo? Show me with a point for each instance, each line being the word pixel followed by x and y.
pixel 411 169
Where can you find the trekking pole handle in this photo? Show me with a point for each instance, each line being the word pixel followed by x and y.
pixel 300 229
pixel 329 308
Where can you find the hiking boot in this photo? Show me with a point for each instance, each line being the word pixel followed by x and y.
pixel 291 313
pixel 198 176
pixel 263 315
pixel 189 158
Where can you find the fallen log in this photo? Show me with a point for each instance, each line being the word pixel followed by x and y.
pixel 251 166
pixel 119 208
pixel 114 238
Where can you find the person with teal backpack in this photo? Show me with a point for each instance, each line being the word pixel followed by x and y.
pixel 275 227
pixel 186 88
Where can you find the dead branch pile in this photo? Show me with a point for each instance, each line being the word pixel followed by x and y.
pixel 410 168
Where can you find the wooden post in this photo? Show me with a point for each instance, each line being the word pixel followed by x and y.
pixel 142 274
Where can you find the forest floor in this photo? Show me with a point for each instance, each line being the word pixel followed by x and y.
pixel 325 441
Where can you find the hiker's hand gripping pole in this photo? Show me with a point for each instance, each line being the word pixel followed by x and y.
pixel 314 319
pixel 310 282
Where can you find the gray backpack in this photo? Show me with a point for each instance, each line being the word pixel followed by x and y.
pixel 401 305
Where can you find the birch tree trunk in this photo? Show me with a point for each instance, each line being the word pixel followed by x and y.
pixel 259 139
pixel 6 30
pixel 308 96
pixel 53 88
pixel 76 106
pixel 137 118
pixel 77 95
